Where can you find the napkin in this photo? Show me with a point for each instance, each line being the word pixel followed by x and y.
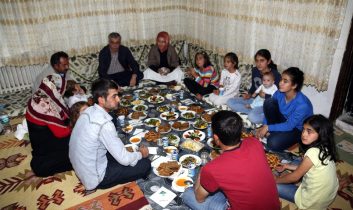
pixel 152 150
pixel 163 197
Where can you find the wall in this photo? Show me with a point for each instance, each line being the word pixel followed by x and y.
pixel 322 101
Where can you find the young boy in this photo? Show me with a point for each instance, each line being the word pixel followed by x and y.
pixel 268 87
pixel 240 174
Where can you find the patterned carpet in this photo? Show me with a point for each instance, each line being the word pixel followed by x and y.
pixel 21 189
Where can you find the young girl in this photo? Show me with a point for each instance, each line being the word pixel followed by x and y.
pixel 74 93
pixel 264 64
pixel 204 77
pixel 76 110
pixel 230 81
pixel 285 112
pixel 319 184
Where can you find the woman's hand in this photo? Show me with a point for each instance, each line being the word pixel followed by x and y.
pixel 261 132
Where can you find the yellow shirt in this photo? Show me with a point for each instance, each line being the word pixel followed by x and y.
pixel 319 185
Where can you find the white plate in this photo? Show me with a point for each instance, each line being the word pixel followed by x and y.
pixel 182 108
pixel 134 147
pixel 157 129
pixel 135 137
pixel 136 106
pixel 197 158
pixel 138 102
pixel 180 188
pixel 174 142
pixel 159 108
pixel 163 116
pixel 201 134
pixel 125 103
pixel 127 97
pixel 170 149
pixel 162 87
pixel 173 176
pixel 147 120
pixel 181 129
pixel 156 89
pixel 201 128
pixel 140 118
pixel 128 128
pixel 188 112
pixel 214 146
pixel 204 118
pixel 158 99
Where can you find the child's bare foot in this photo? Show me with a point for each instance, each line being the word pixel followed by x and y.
pixel 199 96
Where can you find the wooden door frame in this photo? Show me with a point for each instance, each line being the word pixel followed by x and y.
pixel 345 75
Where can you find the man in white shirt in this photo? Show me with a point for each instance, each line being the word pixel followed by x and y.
pixel 98 156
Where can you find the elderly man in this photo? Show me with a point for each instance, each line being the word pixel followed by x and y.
pixel 48 120
pixel 98 156
pixel 117 63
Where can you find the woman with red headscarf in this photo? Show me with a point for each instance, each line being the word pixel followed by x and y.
pixel 163 61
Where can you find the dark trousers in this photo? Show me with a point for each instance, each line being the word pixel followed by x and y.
pixel 119 174
pixel 123 78
pixel 50 155
pixel 196 88
pixel 279 140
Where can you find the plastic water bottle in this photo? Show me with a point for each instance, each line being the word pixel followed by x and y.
pixel 181 95
pixel 165 141
pixel 191 169
pixel 209 131
pixel 175 155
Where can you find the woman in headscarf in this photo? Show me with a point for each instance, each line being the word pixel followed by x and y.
pixel 48 122
pixel 163 61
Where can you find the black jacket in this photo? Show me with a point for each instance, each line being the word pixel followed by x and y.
pixel 125 58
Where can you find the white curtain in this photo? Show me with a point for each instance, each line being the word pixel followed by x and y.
pixel 300 33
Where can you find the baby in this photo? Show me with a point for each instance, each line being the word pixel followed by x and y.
pixel 75 93
pixel 268 88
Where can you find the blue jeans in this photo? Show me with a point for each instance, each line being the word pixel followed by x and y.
pixel 287 191
pixel 238 104
pixel 214 202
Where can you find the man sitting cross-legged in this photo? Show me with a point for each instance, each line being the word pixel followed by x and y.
pixel 98 156
pixel 240 174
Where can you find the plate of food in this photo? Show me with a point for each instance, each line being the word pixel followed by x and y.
pixel 180 125
pixel 163 108
pixel 157 99
pixel 207 116
pixel 140 108
pixel 173 140
pixel 152 122
pixel 185 160
pixel 135 140
pixel 122 111
pixel 191 145
pixel 196 108
pixel 144 95
pixel 168 169
pixel 138 102
pixel 137 115
pixel 164 128
pixel 273 160
pixel 125 103
pixel 128 97
pixel 153 90
pixel 188 115
pixel 195 135
pixel 152 136
pixel 182 108
pixel 127 128
pixel 169 116
pixel 212 144
pixel 162 87
pixel 200 124
pixel 131 147
pixel 182 182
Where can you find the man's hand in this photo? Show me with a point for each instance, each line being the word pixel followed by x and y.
pixel 261 132
pixel 144 151
pixel 133 80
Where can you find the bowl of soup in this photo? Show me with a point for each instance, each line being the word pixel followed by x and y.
pixel 135 140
